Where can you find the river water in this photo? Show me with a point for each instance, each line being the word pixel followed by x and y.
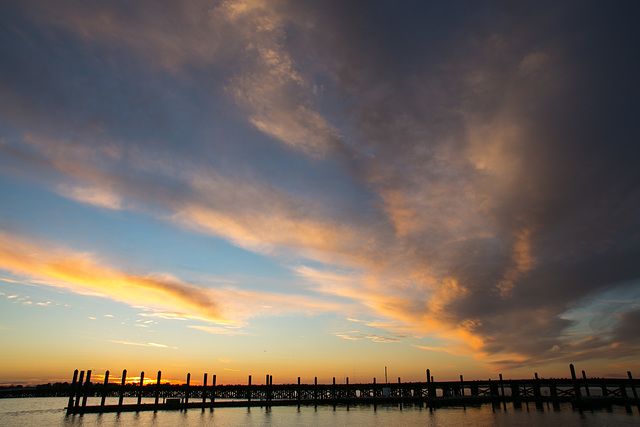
pixel 49 411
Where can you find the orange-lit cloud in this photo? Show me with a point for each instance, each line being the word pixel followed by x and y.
pixel 149 344
pixel 92 195
pixel 217 330
pixel 162 295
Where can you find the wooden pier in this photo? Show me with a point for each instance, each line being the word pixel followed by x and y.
pixel 581 392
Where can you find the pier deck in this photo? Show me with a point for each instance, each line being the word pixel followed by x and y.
pixel 581 392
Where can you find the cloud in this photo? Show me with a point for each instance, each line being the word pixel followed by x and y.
pixel 274 92
pixel 440 349
pixel 251 213
pixel 92 195
pixel 217 330
pixel 357 336
pixel 112 24
pixel 243 40
pixel 258 217
pixel 82 272
pixel 164 295
pixel 150 344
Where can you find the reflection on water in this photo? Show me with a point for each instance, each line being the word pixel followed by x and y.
pixel 49 411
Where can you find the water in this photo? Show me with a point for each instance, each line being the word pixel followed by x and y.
pixel 49 411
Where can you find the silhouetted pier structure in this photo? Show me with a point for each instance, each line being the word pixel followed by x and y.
pixel 581 392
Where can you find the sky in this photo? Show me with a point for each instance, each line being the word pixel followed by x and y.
pixel 319 189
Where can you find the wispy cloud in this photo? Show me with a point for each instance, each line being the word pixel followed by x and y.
pixel 139 344
pixel 441 350
pixel 357 336
pixel 217 330
pixel 275 93
pixel 95 196
pixel 163 296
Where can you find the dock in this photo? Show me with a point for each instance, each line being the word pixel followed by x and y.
pixel 581 392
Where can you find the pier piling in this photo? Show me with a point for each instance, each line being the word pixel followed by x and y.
pixel 140 388
pixel 73 385
pixel 122 384
pixel 105 388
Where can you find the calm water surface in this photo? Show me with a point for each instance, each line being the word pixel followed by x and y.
pixel 49 411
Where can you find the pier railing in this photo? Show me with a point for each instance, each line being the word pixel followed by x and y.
pixel 581 392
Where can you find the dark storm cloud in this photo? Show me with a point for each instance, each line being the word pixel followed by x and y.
pixel 518 121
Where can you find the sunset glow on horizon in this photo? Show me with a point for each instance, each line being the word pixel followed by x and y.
pixel 318 189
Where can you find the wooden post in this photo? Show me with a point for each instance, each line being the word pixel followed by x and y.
pixel 462 385
pixel 553 392
pixel 493 389
pixel 140 387
pixel 267 390
pixel 633 389
pixel 315 388
pixel 122 383
pixel 249 390
pixel 186 393
pixel 515 389
pixel 85 391
pixel 576 385
pixel 633 386
pixel 204 390
pixel 502 386
pixel 213 391
pixel 536 387
pixel 72 391
pixel 586 383
pixel 298 394
pixel 79 389
pixel 105 388
pixel 158 388
pixel 333 389
pixel 475 390
pixel 623 389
